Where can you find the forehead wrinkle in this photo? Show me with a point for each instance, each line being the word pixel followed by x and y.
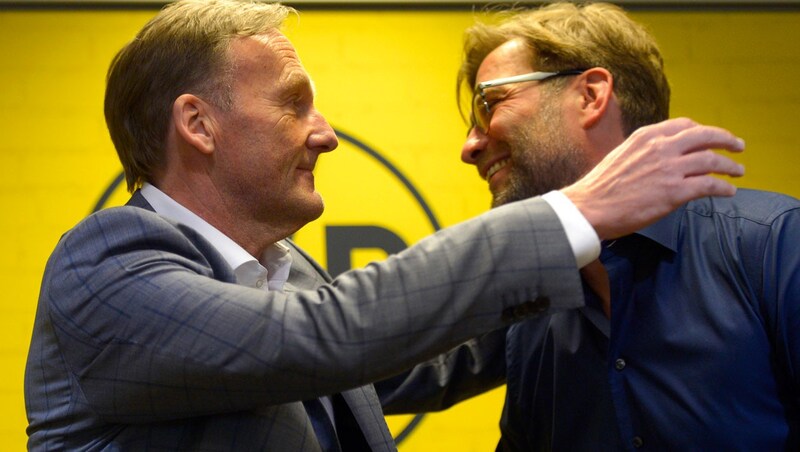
pixel 513 57
pixel 284 58
pixel 293 75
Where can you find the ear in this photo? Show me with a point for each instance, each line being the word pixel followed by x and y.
pixel 597 90
pixel 192 118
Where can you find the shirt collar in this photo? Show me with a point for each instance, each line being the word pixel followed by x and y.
pixel 665 231
pixel 274 264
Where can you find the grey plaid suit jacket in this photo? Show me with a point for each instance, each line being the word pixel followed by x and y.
pixel 142 341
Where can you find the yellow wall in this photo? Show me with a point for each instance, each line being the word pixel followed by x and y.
pixel 386 78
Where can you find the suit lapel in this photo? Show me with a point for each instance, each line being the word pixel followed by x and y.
pixel 370 425
pixel 359 417
pixel 305 273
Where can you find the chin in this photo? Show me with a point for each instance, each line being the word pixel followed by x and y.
pixel 497 202
pixel 501 197
pixel 314 207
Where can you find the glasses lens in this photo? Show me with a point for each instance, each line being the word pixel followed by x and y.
pixel 480 115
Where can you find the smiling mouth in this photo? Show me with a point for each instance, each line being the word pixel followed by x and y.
pixel 495 168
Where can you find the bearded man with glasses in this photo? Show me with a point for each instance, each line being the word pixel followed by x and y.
pixel 689 336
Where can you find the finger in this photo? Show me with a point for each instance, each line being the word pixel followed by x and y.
pixel 667 128
pixel 702 186
pixel 709 162
pixel 700 138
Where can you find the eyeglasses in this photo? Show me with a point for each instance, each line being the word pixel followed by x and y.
pixel 482 111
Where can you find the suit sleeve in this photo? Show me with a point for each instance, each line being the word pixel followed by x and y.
pixel 151 326
pixel 470 369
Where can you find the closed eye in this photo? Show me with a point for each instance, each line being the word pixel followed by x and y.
pixel 299 95
pixel 493 96
pixel 490 103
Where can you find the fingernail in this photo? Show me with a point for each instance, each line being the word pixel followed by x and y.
pixel 741 142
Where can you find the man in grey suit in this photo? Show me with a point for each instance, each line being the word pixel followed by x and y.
pixel 186 321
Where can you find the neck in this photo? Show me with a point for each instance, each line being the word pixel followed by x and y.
pixel 252 235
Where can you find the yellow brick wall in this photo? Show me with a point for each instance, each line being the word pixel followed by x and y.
pixel 387 77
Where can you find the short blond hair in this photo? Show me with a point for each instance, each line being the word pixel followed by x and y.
pixel 566 36
pixel 183 49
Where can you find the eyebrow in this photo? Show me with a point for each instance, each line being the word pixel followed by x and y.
pixel 296 81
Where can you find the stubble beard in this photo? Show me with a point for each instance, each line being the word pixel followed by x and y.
pixel 542 158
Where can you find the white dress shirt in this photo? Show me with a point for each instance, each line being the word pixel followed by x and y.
pixel 581 235
pixel 269 272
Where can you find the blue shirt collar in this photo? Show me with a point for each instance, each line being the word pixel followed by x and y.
pixel 665 231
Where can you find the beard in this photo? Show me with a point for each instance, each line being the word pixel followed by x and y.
pixel 543 158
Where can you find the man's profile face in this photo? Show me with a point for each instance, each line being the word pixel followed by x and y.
pixel 269 141
pixel 526 150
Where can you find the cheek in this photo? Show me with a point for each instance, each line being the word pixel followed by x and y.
pixel 261 147
pixel 512 116
pixel 508 129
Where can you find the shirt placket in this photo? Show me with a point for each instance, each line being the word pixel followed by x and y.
pixel 620 273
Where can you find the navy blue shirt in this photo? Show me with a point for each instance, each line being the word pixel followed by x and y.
pixel 702 351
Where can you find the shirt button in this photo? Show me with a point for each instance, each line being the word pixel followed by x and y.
pixel 637 442
pixel 619 364
pixel 259 283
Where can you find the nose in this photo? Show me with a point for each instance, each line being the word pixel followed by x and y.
pixel 473 146
pixel 322 138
